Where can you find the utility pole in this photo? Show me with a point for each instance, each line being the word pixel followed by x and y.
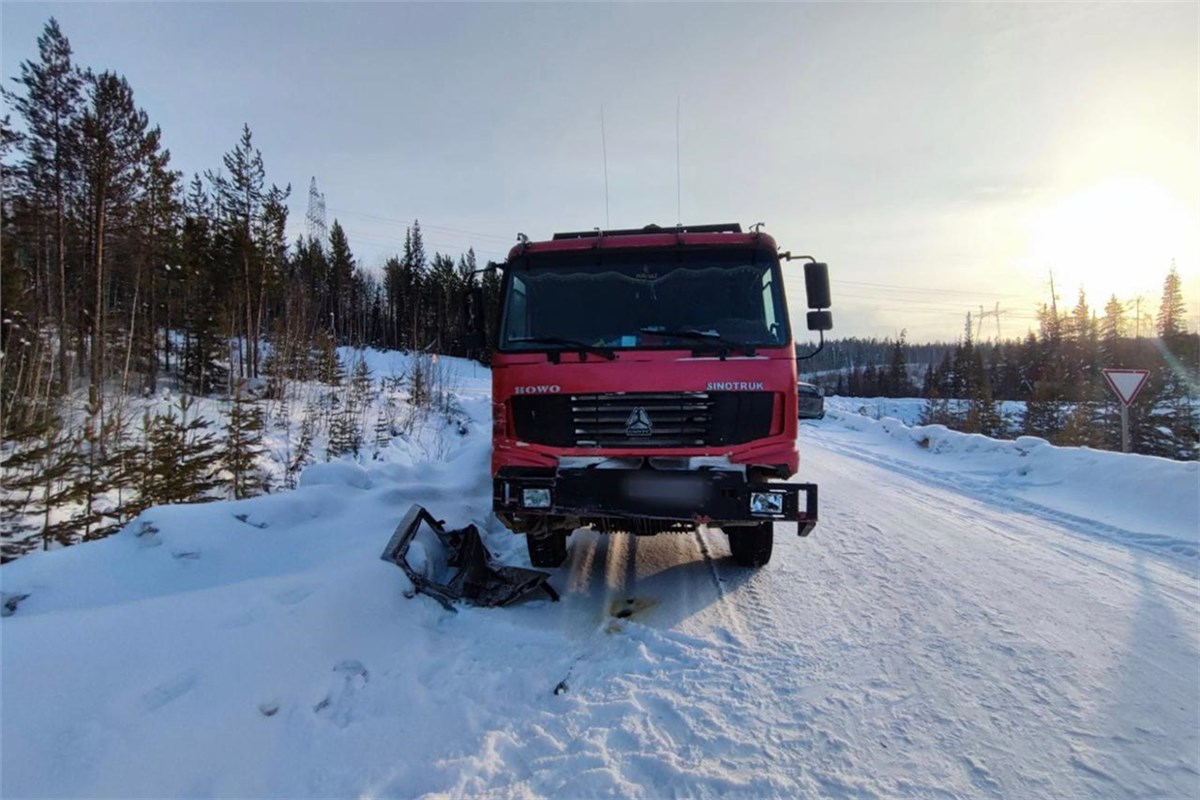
pixel 993 313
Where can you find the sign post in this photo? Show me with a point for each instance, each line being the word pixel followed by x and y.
pixel 1126 383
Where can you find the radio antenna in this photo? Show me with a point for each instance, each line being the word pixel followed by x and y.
pixel 678 212
pixel 604 147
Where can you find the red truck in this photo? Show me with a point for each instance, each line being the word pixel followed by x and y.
pixel 644 381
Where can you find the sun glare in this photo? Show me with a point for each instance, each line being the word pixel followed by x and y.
pixel 1115 237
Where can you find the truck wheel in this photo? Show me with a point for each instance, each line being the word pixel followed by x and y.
pixel 547 549
pixel 751 546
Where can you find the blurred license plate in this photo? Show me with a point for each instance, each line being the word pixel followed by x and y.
pixel 679 489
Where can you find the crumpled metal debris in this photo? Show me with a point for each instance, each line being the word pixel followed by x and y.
pixel 454 565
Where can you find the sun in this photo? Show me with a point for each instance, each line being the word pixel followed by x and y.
pixel 1117 236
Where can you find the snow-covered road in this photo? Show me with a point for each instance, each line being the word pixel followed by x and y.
pixel 921 643
pixel 931 638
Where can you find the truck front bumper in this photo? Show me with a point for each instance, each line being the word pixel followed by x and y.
pixel 711 496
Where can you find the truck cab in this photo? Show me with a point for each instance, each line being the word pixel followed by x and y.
pixel 644 381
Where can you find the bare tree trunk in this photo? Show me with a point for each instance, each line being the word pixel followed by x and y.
pixel 251 342
pixel 137 286
pixel 63 366
pixel 96 392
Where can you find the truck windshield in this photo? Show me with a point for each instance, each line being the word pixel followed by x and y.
pixel 630 299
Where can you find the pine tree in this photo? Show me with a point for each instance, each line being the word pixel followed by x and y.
pixel 51 108
pixel 113 146
pixel 154 227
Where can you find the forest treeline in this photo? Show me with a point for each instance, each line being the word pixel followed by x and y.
pixel 115 268
pixel 120 279
pixel 1055 372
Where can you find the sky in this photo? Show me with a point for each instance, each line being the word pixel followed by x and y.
pixel 942 158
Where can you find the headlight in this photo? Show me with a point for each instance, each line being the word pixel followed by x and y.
pixel 535 498
pixel 766 503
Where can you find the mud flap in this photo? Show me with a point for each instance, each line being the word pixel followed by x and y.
pixel 454 565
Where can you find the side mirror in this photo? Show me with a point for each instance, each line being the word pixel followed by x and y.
pixel 816 285
pixel 474 310
pixel 474 337
pixel 820 320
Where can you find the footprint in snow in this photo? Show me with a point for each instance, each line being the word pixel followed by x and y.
pixel 168 691
pixel 337 703
pixel 291 597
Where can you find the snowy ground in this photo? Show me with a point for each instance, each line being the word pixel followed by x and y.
pixel 970 618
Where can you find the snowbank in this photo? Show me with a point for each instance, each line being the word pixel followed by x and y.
pixel 261 648
pixel 1141 500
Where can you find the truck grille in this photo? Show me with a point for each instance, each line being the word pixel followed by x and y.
pixel 643 419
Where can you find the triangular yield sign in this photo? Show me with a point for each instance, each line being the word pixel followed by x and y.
pixel 1126 382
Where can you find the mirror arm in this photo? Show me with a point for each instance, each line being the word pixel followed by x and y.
pixel 814 352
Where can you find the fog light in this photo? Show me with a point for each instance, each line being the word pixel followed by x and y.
pixel 766 503
pixel 535 498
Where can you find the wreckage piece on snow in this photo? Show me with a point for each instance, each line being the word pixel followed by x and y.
pixel 455 565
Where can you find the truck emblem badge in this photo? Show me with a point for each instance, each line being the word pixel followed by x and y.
pixel 639 423
pixel 544 389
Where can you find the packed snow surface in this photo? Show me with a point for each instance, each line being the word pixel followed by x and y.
pixel 970 618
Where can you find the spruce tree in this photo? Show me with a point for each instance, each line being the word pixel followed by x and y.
pixel 60 492
pixel 1044 411
pixel 1172 312
pixel 303 453
pixel 982 414
pixel 244 445
pixel 345 433
pixel 899 383
pixel 330 369
pixel 340 287
pixel 181 460
pixel 26 501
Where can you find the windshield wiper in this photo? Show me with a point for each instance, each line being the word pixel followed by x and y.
pixel 700 336
pixel 569 344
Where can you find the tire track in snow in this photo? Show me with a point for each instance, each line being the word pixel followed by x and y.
pixel 1180 553
pixel 923 642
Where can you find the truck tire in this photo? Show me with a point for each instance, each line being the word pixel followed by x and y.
pixel 547 549
pixel 751 546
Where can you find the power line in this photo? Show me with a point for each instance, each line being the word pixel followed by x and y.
pixel 383 241
pixel 973 292
pixel 425 225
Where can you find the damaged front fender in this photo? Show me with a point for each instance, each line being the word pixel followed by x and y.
pixel 454 565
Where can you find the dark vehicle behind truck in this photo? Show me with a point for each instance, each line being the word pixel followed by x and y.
pixel 810 400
